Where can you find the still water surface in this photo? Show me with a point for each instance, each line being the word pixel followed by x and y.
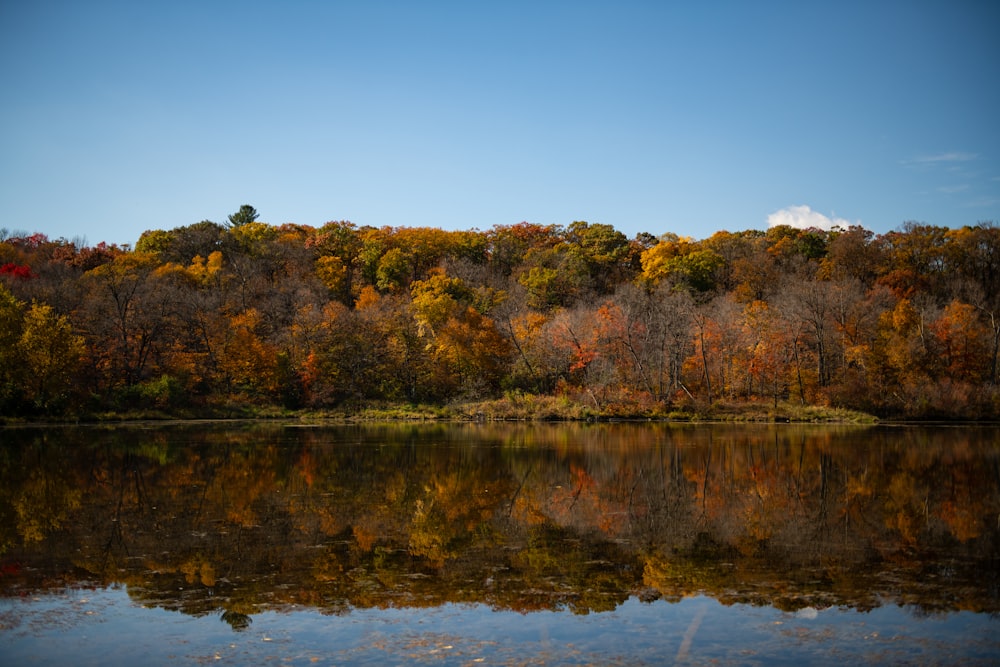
pixel 499 544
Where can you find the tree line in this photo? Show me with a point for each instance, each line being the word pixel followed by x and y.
pixel 191 320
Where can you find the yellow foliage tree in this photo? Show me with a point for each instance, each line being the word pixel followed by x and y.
pixel 51 353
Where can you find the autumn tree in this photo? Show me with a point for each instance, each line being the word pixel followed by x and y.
pixel 11 365
pixel 811 304
pixel 337 246
pixel 182 244
pixel 770 341
pixel 400 352
pixel 508 246
pixel 576 355
pixel 963 343
pixel 524 329
pixel 905 323
pixel 464 342
pixel 737 250
pixel 604 250
pixel 649 331
pixel 554 277
pixel 915 260
pixel 52 353
pixel 713 365
pixel 852 253
pixel 124 316
pixel 247 360
pixel 974 253
pixel 682 263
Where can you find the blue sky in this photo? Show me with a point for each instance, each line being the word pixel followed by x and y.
pixel 684 117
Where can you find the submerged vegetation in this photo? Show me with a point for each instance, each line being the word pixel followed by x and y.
pixel 517 322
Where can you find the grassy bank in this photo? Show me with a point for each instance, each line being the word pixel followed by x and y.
pixel 535 408
pixel 513 407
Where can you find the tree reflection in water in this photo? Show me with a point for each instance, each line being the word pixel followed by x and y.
pixel 206 519
pixel 239 622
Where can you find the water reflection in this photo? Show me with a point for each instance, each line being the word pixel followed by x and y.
pixel 235 520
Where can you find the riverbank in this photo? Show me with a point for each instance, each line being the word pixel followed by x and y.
pixel 513 407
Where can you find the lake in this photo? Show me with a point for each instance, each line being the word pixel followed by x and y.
pixel 510 544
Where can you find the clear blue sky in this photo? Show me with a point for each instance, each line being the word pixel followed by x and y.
pixel 685 117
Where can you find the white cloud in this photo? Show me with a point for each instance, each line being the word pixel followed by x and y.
pixel 941 158
pixel 803 217
pixel 982 202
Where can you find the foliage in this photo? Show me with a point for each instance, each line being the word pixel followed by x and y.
pixel 246 215
pixel 900 325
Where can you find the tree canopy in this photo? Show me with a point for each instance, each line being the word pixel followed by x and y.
pixel 902 324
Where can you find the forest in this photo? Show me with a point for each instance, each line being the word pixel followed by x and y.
pixel 244 317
